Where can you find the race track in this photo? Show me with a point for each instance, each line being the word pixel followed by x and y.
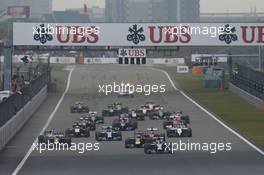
pixel 113 158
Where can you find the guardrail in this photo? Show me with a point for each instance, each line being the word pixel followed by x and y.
pixel 251 85
pixel 248 84
pixel 12 126
pixel 16 102
pixel 247 96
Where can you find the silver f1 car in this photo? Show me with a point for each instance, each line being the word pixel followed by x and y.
pixel 158 147
pixel 108 134
pixel 126 93
pixel 54 137
pixel 79 107
pixel 179 130
pixel 158 114
pixel 93 117
pixel 114 110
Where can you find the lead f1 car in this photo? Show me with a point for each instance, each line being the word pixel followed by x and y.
pixel 54 137
pixel 78 130
pixel 79 107
pixel 158 147
pixel 108 134
pixel 124 123
pixel 179 130
pixel 93 116
pixel 142 138
pixel 125 93
pixel 159 114
pixel 114 110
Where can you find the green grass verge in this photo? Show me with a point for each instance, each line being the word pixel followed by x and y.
pixel 60 84
pixel 58 76
pixel 239 114
pixel 57 67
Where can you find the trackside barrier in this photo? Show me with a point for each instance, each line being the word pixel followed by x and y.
pixel 247 96
pixel 12 126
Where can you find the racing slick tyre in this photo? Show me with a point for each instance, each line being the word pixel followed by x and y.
pixel 189 133
pixel 68 141
pixel 87 133
pixel 72 110
pixel 165 123
pixel 141 118
pixel 97 137
pixel 186 119
pixel 41 139
pixel 169 134
pixel 129 142
pixel 120 139
pixel 67 132
pixel 105 113
pixel 93 127
pixel 134 124
pixel 86 110
pixel 147 149
pixel 124 110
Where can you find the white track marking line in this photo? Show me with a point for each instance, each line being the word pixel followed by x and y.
pixel 211 115
pixel 21 164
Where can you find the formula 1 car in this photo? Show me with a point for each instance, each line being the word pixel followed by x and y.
pixel 182 116
pixel 142 138
pixel 93 116
pixel 125 93
pixel 88 123
pixel 78 130
pixel 158 147
pixel 54 137
pixel 108 134
pixel 136 114
pixel 149 107
pixel 179 130
pixel 124 123
pixel 79 107
pixel 159 114
pixel 114 110
pixel 175 119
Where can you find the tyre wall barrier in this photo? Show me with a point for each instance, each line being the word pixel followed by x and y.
pixel 11 127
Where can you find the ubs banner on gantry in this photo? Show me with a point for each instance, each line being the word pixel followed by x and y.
pixel 140 34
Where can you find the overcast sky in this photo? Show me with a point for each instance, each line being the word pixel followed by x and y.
pixel 206 5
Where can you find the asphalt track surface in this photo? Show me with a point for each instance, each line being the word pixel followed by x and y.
pixel 113 158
